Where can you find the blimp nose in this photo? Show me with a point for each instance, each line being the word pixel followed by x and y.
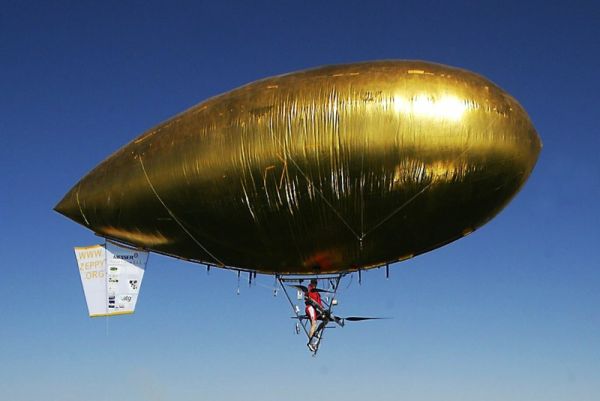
pixel 68 207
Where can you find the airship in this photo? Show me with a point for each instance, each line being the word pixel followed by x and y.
pixel 324 171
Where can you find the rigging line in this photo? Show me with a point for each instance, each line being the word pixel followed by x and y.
pixel 329 314
pixel 259 284
pixel 175 217
pixel 318 191
pixel 389 216
pixel 410 200
pixel 292 305
pixel 362 192
pixel 350 282
pixel 337 284
pixel 326 201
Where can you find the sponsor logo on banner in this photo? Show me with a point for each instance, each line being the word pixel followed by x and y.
pixel 111 276
pixel 131 258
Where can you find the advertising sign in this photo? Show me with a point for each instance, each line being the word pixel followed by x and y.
pixel 111 276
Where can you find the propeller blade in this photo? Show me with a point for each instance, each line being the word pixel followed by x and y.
pixel 299 287
pixel 361 318
pixel 305 289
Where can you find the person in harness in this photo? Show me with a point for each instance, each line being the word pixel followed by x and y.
pixel 313 309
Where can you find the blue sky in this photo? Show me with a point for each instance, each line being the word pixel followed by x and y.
pixel 508 313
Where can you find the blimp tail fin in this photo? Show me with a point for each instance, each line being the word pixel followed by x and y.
pixel 111 276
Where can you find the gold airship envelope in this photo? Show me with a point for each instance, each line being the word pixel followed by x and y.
pixel 326 170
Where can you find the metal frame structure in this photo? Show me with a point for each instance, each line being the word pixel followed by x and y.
pixel 325 315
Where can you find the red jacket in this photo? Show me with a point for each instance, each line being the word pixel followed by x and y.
pixel 314 295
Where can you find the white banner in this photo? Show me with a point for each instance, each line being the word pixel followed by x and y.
pixel 125 270
pixel 111 276
pixel 92 268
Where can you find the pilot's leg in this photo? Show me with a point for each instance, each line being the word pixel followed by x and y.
pixel 320 329
pixel 313 327
pixel 312 314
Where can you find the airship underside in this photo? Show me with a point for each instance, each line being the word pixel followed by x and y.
pixel 327 170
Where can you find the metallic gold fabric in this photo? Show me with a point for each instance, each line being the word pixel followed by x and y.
pixel 326 170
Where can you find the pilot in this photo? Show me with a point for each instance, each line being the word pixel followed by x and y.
pixel 313 298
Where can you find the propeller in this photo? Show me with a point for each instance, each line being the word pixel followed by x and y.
pixel 361 318
pixel 299 287
pixel 305 289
